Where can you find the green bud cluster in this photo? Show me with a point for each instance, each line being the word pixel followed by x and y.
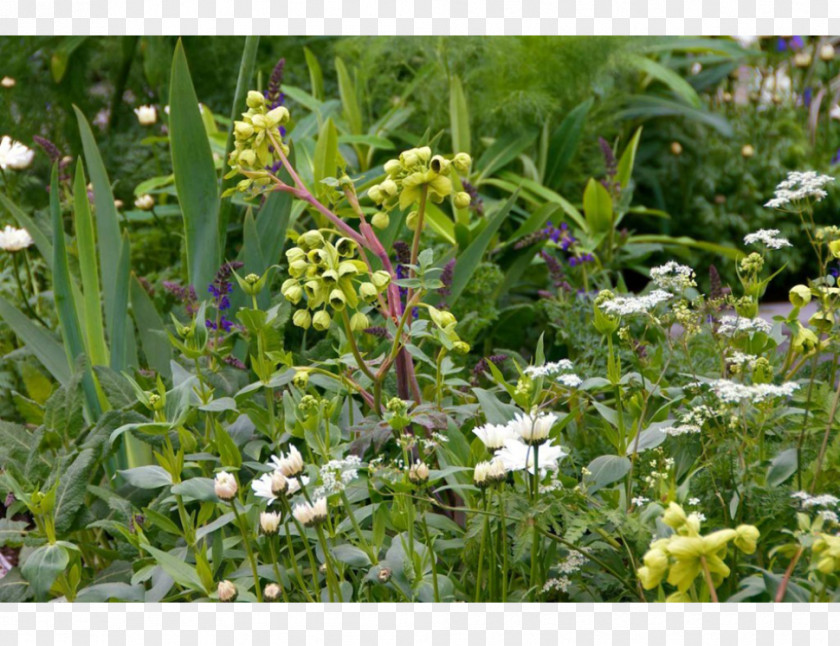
pixel 446 322
pixel 254 140
pixel 325 278
pixel 409 174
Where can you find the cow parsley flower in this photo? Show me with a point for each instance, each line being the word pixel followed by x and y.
pixel 823 500
pixel 673 277
pixel 680 429
pixel 732 325
pixel 337 474
pixel 632 305
pixel 732 392
pixel 548 369
pixel 800 186
pixel 768 237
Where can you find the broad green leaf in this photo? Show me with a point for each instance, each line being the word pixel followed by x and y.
pixel 349 99
pixel 117 591
pixel 459 117
pixel 12 531
pixel 316 76
pixel 624 170
pixel 39 342
pixel 72 486
pixel 181 572
pixel 151 329
pixel 42 567
pixel 564 142
pixel 597 206
pixel 228 451
pixel 351 555
pixel 60 58
pixel 13 587
pixel 85 241
pixel 368 140
pixel 203 489
pixel 606 469
pixel 782 467
pixel 195 176
pixel 121 327
pixel 326 155
pixel 71 330
pixel 107 219
pixel 439 222
pixel 685 241
pixel 649 107
pixel 147 477
pixel 503 151
pixel 243 84
pixel 669 77
pixel 547 194
pixel 468 261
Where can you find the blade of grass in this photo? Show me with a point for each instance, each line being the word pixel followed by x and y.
pixel 195 175
pixel 151 330
pixel 85 241
pixel 459 117
pixel 121 326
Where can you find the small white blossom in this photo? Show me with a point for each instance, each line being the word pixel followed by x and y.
pixel 337 474
pixel 548 369
pixel 638 501
pixel 146 115
pixel 673 276
pixel 680 429
pixel 14 155
pixel 768 237
pixel 693 501
pixel 740 359
pixel 829 516
pixel 225 485
pixel 822 500
pixel 800 186
pixel 632 305
pixel 731 392
pixel 12 239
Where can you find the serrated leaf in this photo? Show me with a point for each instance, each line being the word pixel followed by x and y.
pixel 70 495
pixel 42 567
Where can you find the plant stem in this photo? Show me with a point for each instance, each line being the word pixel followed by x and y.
pixel 428 538
pixel 294 563
pixel 23 297
pixel 332 582
pixel 365 545
pixel 248 551
pixel 708 576
pixel 780 594
pixel 273 553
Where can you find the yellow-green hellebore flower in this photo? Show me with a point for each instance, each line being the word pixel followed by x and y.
pixel 648 578
pixel 462 162
pixel 746 537
pixel 462 200
pixel 392 167
pixel 439 164
pixel 302 318
pixel 442 318
pixel 834 248
pixel 461 347
pixel 822 321
pixel 359 322
pixel 321 321
pixel 381 279
pixel 678 597
pixel 368 292
pixel 799 295
pixel 674 516
pixel 255 99
pixel 805 341
pixel 295 253
pixel 312 239
pixel 380 220
pixel 337 300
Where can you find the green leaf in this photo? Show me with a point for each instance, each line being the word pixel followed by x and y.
pixel 597 206
pixel 38 341
pixel 121 328
pixel 42 567
pixel 72 486
pixel 606 469
pixel 459 117
pixel 243 85
pixel 624 170
pixel 12 531
pixel 147 477
pixel 273 220
pixel 316 76
pixel 564 142
pixel 495 412
pixel 13 587
pixel 228 451
pixel 107 222
pixel 468 261
pixel 85 240
pixel 326 155
pixel 649 107
pixel 71 331
pixel 351 555
pixel 195 176
pixel 60 58
pixel 685 241
pixel 503 151
pixel 151 329
pixel 782 467
pixel 669 77
pixel 203 489
pixel 181 572
pixel 440 223
pixel 118 591
pixel 349 99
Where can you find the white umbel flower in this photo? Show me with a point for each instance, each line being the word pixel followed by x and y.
pixel 290 465
pixel 12 239
pixel 225 485
pixel 673 276
pixel 768 237
pixel 732 325
pixel 548 369
pixel 14 155
pixel 517 456
pixel 633 305
pixel 800 186
pixel 146 115
pixel 733 392
pixel 533 429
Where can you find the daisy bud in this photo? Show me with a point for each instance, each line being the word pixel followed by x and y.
pixel 380 220
pixel 462 162
pixel 799 295
pixel 418 473
pixel 302 318
pixel 269 522
pixel 146 115
pixel 321 321
pixel 384 575
pixel 802 59
pixel 8 82
pixel 279 484
pixel 462 200
pixel 290 465
pixel 255 99
pixel 827 52
pixel 225 486
pixel 272 592
pixel 145 202
pixel 747 151
pixel 227 591
pixel 381 279
pixel 676 148
pixel 359 322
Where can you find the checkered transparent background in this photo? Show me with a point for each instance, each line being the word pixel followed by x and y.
pixel 438 624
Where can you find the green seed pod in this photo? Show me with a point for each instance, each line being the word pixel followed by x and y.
pixel 302 318
pixel 321 321
pixel 380 220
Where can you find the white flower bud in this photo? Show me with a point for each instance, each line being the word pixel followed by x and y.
pixel 145 202
pixel 269 522
pixel 227 591
pixel 225 485
pixel 146 115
